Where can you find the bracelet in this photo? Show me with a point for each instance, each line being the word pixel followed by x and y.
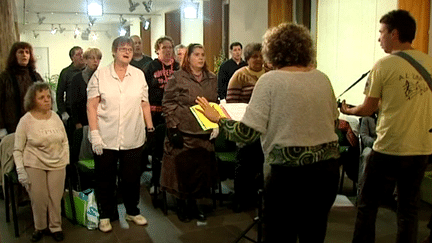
pixel 151 129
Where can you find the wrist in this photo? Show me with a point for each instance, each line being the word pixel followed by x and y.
pixel 150 129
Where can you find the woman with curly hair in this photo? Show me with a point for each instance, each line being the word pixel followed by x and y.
pixel 19 74
pixel 293 110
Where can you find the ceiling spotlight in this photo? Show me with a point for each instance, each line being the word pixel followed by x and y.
pixel 142 18
pixel 191 10
pixel 41 19
pixel 146 24
pixel 61 29
pixel 85 34
pixel 122 20
pixel 91 21
pixel 94 7
pixel 53 29
pixel 35 35
pixel 76 32
pixel 132 5
pixel 122 31
pixel 94 36
pixel 148 5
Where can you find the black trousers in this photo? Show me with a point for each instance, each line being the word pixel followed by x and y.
pixel 297 201
pixel 248 174
pixel 129 174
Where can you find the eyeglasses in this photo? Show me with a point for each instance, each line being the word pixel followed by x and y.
pixel 124 49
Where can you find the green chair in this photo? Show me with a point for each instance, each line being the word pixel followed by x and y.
pixel 225 152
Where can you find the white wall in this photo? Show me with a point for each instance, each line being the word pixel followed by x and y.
pixel 135 27
pixel 192 30
pixel 347 41
pixel 157 30
pixel 60 44
pixel 248 20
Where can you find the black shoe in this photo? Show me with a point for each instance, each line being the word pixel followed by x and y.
pixel 194 212
pixel 58 236
pixel 182 211
pixel 37 235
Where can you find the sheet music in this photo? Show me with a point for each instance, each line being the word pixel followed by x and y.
pixel 235 110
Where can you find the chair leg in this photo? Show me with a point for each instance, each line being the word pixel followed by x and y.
pixel 220 194
pixel 14 212
pixel 165 206
pixel 342 180
pixel 6 192
pixel 71 200
pixel 214 196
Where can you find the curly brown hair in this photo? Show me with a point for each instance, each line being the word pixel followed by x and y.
pixel 288 45
pixel 12 62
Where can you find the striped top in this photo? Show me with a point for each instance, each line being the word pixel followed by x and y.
pixel 241 85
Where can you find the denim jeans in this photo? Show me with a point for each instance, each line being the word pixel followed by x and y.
pixel 381 169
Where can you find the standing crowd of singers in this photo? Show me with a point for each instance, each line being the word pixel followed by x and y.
pixel 287 134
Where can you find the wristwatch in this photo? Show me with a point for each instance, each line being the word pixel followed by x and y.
pixel 150 129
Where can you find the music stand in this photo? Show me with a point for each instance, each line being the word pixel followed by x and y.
pixel 257 221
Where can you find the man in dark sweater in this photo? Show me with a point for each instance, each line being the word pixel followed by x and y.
pixel 228 68
pixel 65 79
pixel 139 60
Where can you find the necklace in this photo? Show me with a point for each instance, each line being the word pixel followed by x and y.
pixel 198 77
pixel 171 70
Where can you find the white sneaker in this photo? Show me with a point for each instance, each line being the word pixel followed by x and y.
pixel 137 219
pixel 105 225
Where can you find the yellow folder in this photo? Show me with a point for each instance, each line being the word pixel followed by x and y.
pixel 205 123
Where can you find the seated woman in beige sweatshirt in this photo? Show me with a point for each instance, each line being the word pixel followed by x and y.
pixel 41 153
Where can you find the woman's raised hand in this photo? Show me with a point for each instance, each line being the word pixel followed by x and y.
pixel 208 111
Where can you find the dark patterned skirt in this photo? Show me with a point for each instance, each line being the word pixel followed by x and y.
pixel 189 172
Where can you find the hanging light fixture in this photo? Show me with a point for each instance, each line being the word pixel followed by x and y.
pixel 91 21
pixel 77 32
pixel 122 20
pixel 132 5
pixel 148 5
pixel 122 31
pixel 146 24
pixel 41 19
pixel 35 35
pixel 61 29
pixel 94 36
pixel 53 29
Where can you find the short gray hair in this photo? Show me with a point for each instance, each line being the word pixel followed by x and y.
pixel 179 46
pixel 30 96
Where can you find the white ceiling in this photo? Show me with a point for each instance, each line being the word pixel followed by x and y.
pixel 70 13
